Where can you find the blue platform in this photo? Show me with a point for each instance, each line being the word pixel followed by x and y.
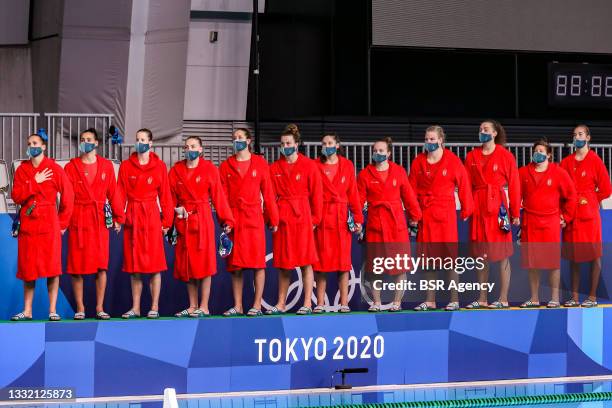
pixel 291 352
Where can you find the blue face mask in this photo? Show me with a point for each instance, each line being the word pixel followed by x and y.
pixel 379 158
pixel 191 155
pixel 34 151
pixel 579 144
pixel 141 147
pixel 86 147
pixel 431 147
pixel 539 157
pixel 485 137
pixel 240 145
pixel 329 150
pixel 287 151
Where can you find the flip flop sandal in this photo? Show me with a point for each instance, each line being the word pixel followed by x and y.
pixel 54 317
pixel 198 313
pixel 344 309
pixel 153 314
pixel 395 308
pixel 498 305
pixel 130 314
pixel 529 305
pixel 303 311
pixel 79 316
pixel 274 311
pixel 553 305
pixel 254 312
pixel 571 303
pixel 232 312
pixel 20 317
pixel 102 316
pixel 589 303
pixel 475 305
pixel 182 313
pixel 319 309
pixel 452 306
pixel 423 307
pixel 374 309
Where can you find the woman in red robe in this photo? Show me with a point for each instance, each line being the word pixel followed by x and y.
pixel 143 180
pixel 582 236
pixel 93 180
pixel 491 168
pixel 549 203
pixel 36 185
pixel 333 235
pixel 297 184
pixel 434 175
pixel 384 186
pixel 195 182
pixel 246 181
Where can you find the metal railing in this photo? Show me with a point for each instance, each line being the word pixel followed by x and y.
pixel 14 130
pixel 64 129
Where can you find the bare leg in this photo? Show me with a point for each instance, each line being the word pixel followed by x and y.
pixel 555 282
pixel 321 279
pixel 399 294
pixel 28 296
pixel 595 274
pixel 284 277
pixel 155 288
pixel 192 292
pixel 237 286
pixel 575 280
pixel 260 281
pixel 136 282
pixel 77 290
pixel 483 277
pixel 100 290
pixel 205 289
pixel 343 283
pixel 453 276
pixel 52 289
pixel 534 285
pixel 505 271
pixel 307 277
pixel 430 295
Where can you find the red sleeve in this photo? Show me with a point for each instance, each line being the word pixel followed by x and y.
pixel 568 195
pixel 269 196
pixel 410 200
pixel 112 195
pixel 353 195
pixel 464 191
pixel 24 187
pixel 219 200
pixel 66 204
pixel 172 183
pixel 165 197
pixel 604 190
pixel 412 177
pixel 514 186
pixel 121 192
pixel 362 187
pixel 316 194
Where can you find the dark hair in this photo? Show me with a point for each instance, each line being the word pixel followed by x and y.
pixel 292 130
pixel 543 142
pixel 148 132
pixel 195 138
pixel 585 127
pixel 336 137
pixel 388 141
pixel 246 132
pixel 93 131
pixel 501 137
pixel 44 142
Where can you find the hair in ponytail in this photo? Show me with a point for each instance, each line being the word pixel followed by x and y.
pixel 501 137
pixel 292 130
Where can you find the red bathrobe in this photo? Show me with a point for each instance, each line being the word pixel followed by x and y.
pixel 435 188
pixel 88 235
pixel 332 236
pixel 546 197
pixel 299 195
pixel 142 186
pixel 250 196
pixel 582 237
pixel 488 176
pixel 39 244
pixel 386 222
